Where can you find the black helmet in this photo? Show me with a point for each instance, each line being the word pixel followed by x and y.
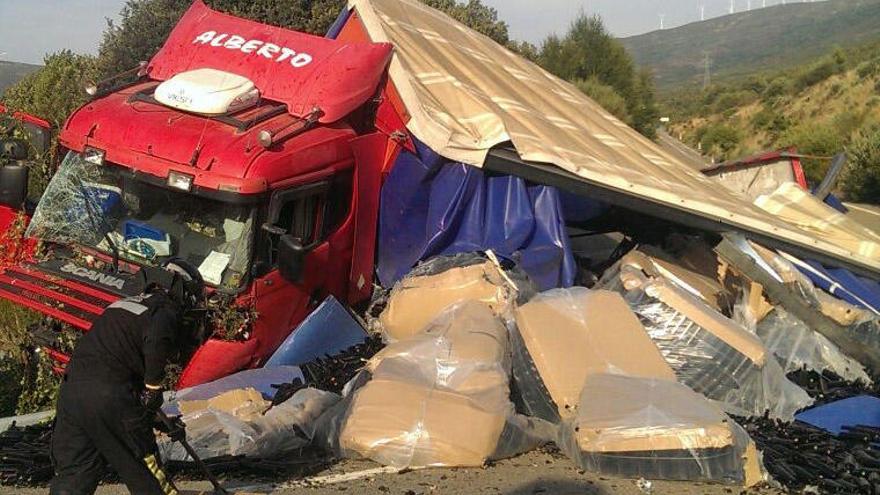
pixel 187 287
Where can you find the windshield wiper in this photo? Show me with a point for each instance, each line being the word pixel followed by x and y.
pixel 107 229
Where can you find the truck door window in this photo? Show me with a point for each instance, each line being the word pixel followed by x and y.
pixel 312 213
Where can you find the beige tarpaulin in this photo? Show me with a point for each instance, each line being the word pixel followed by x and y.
pixel 795 205
pixel 466 94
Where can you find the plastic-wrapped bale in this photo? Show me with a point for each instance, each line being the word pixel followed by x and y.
pixel 437 284
pixel 233 424
pixel 564 335
pixel 656 429
pixel 798 346
pixel 713 355
pixel 440 398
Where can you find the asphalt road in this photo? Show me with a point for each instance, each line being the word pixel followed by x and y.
pixel 533 473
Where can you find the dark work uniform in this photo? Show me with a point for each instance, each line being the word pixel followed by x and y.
pixel 100 419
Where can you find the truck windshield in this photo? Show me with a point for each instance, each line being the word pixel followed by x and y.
pixel 93 205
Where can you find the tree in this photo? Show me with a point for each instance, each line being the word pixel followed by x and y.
pixel 588 52
pixel 56 90
pixel 861 181
pixel 606 96
pixel 820 140
pixel 719 140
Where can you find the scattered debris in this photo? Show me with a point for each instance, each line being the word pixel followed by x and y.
pixel 798 455
pixel 24 455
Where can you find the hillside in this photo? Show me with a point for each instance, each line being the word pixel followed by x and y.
pixel 751 42
pixel 818 107
pixel 12 72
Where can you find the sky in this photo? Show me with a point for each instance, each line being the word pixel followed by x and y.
pixel 33 28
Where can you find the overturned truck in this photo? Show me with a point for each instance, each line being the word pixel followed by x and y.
pixel 290 167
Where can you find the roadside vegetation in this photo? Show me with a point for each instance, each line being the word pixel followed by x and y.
pixel 821 108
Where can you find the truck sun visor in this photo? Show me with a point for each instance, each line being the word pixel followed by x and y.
pixel 208 92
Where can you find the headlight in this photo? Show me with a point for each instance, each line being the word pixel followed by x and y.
pixel 179 180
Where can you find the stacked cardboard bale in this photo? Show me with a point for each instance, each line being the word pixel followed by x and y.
pixel 439 393
pixel 602 378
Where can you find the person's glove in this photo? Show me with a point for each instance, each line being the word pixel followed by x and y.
pixel 174 427
pixel 151 399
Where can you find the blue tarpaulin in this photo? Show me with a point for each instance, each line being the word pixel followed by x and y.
pixel 843 284
pixel 326 331
pixel 431 206
pixel 863 410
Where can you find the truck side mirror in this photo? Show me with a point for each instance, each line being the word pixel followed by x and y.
pixel 291 258
pixel 14 185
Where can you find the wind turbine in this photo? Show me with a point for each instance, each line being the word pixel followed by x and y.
pixel 732 6
pixel 662 18
pixel 702 12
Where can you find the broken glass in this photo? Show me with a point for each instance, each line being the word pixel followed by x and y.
pixel 106 207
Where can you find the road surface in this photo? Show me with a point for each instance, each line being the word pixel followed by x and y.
pixel 534 473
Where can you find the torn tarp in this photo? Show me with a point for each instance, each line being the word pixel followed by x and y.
pixel 432 206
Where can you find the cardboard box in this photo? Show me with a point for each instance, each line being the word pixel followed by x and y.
pixel 244 404
pixel 406 425
pixel 625 414
pixel 416 301
pixel 572 334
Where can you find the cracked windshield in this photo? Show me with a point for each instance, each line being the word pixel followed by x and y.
pixel 106 208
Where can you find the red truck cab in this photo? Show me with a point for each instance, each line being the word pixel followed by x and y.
pixel 244 149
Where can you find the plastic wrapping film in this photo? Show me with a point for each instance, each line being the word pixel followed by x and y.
pixel 260 379
pixel 655 429
pixel 215 432
pixel 798 346
pixel 440 282
pixel 714 355
pixel 564 335
pixel 440 398
pixel 840 311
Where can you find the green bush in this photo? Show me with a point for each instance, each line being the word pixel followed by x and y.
pixel 719 140
pixel 605 96
pixel 780 86
pixel 734 100
pixel 861 179
pixel 848 122
pixel 819 72
pixel 819 140
pixel 868 69
pixel 771 121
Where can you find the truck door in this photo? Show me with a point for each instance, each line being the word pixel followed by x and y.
pixel 318 217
